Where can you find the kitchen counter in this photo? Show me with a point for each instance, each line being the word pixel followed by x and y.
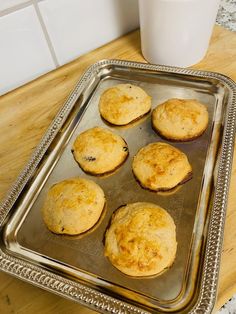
pixel 27 112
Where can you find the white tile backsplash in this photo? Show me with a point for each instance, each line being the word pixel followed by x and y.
pixel 37 34
pixel 24 53
pixel 77 26
pixel 6 4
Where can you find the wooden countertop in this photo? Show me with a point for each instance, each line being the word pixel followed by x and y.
pixel 25 115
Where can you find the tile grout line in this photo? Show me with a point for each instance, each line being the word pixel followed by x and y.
pixel 47 37
pixel 44 29
pixel 15 8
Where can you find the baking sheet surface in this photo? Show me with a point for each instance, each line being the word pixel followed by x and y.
pixel 85 253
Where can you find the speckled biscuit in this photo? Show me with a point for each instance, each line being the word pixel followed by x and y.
pixel 160 166
pixel 141 240
pixel 124 103
pixel 73 206
pixel 180 119
pixel 99 151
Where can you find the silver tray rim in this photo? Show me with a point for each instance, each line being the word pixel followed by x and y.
pixel 89 297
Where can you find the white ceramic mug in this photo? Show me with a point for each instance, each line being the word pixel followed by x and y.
pixel 176 32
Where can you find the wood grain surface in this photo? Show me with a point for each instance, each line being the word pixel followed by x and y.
pixel 25 115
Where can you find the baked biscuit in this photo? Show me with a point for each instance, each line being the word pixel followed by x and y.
pixel 99 151
pixel 160 167
pixel 141 240
pixel 180 119
pixel 73 206
pixel 124 103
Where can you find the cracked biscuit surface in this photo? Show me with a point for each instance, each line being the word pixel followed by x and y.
pixel 141 240
pixel 160 167
pixel 124 103
pixel 73 206
pixel 99 151
pixel 180 119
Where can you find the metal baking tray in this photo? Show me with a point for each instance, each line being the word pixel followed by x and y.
pixel 75 267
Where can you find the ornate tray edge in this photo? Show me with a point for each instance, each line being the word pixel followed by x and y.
pixel 97 300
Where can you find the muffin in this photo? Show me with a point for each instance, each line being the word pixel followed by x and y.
pixel 141 239
pixel 180 119
pixel 124 103
pixel 99 151
pixel 160 167
pixel 73 206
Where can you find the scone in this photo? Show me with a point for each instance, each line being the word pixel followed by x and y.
pixel 73 206
pixel 99 151
pixel 124 103
pixel 160 167
pixel 141 240
pixel 180 119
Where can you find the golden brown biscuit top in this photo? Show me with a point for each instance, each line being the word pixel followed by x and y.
pixel 160 166
pixel 141 239
pixel 124 103
pixel 98 136
pixel 73 206
pixel 72 193
pixel 180 119
pixel 99 150
pixel 160 156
